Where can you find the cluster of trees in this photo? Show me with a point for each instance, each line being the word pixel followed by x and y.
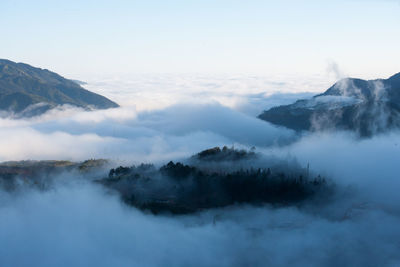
pixel 121 171
pixel 180 188
pixel 218 154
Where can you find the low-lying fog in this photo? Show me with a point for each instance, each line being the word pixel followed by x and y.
pixel 78 223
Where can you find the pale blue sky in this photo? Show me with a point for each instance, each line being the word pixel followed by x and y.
pixel 78 38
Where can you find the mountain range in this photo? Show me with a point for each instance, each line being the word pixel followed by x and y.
pixel 363 106
pixel 30 91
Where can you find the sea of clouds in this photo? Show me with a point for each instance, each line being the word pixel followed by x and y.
pixel 163 118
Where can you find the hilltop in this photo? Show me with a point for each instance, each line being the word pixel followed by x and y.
pixel 363 106
pixel 29 91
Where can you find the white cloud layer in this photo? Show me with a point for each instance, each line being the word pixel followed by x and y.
pixel 161 116
pixel 79 224
pixel 124 134
pixel 155 91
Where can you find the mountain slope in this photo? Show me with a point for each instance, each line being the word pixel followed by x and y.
pixel 364 106
pixel 25 87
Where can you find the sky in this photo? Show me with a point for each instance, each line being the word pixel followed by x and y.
pixel 79 39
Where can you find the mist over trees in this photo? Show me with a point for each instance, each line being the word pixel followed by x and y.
pixel 180 188
pixel 212 178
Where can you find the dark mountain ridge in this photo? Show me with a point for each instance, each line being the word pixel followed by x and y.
pixel 363 106
pixel 31 91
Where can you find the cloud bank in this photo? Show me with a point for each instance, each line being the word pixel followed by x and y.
pixel 79 223
pixel 126 134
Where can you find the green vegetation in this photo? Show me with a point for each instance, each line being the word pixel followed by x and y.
pixel 42 173
pixel 180 188
pixel 218 154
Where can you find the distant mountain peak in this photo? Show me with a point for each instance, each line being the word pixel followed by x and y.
pixel 23 87
pixel 364 106
pixel 395 77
